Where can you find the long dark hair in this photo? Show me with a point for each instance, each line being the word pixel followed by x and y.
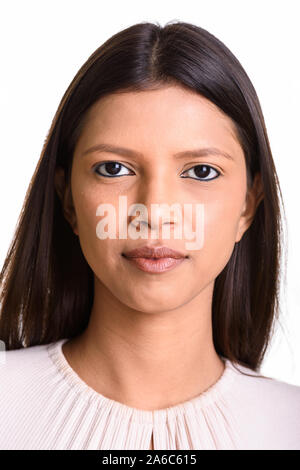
pixel 46 283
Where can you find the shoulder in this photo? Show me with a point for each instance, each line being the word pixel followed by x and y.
pixel 30 356
pixel 268 409
pixel 22 368
pixel 30 386
pixel 269 390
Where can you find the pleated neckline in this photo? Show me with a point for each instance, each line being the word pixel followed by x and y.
pixel 212 395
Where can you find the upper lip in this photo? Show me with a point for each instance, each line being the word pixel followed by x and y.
pixel 154 252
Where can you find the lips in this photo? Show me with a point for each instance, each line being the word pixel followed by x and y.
pixel 154 253
pixel 154 260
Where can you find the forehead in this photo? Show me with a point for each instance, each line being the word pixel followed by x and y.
pixel 169 115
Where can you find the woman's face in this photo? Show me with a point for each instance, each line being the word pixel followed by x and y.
pixel 156 125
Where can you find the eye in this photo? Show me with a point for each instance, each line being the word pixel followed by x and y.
pixel 112 169
pixel 201 172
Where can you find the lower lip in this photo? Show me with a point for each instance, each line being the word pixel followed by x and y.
pixel 158 265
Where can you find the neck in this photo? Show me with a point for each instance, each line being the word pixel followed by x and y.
pixel 147 360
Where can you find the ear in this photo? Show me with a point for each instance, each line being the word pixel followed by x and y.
pixel 64 193
pixel 254 197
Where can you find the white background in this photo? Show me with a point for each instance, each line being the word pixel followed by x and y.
pixel 44 43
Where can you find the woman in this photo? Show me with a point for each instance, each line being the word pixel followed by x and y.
pixel 106 348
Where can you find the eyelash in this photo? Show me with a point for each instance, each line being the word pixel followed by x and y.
pixel 197 179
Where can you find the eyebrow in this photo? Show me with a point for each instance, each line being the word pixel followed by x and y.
pixel 200 152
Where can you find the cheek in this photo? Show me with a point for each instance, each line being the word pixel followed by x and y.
pixel 220 222
pixel 86 203
pixel 97 252
pixel 220 225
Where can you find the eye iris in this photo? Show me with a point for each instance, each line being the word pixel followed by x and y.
pixel 110 167
pixel 199 171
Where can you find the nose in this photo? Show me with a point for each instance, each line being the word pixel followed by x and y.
pixel 154 202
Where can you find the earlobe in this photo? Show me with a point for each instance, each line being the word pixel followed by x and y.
pixel 257 190
pixel 253 198
pixel 65 196
pixel 59 182
pixel 69 210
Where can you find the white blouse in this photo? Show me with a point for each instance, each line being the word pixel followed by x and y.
pixel 44 404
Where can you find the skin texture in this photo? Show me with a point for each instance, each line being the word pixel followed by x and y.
pixel 149 341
